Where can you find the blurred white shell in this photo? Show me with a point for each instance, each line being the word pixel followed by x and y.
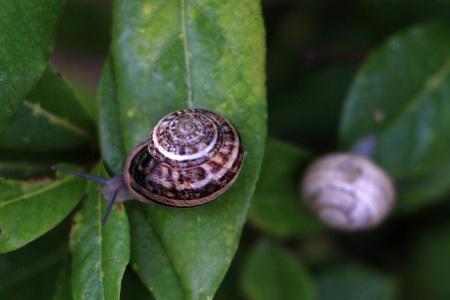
pixel 348 192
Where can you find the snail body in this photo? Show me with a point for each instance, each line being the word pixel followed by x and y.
pixel 348 191
pixel 192 157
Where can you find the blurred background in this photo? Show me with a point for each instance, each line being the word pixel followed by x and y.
pixel 314 49
pixel 309 42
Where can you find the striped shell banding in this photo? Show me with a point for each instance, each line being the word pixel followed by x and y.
pixel 348 192
pixel 192 157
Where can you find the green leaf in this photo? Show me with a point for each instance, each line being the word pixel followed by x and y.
pixel 401 95
pixel 111 139
pixel 272 273
pixel 230 286
pixel 157 271
pixel 63 290
pixel 29 209
pixel 429 270
pixel 100 253
pixel 168 55
pixel 31 272
pixel 51 125
pixel 172 54
pixel 27 34
pixel 50 119
pixel 23 169
pixel 277 207
pixel 28 165
pixel 354 282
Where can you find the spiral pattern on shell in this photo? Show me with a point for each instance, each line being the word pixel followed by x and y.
pixel 192 157
pixel 348 192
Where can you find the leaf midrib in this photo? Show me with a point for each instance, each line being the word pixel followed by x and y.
pixel 45 188
pixel 169 259
pixel 428 85
pixel 186 52
pixel 36 108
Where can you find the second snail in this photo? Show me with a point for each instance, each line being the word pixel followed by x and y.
pixel 192 157
pixel 348 191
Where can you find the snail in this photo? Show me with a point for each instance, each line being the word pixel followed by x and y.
pixel 191 157
pixel 348 191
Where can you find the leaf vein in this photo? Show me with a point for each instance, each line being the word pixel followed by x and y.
pixel 428 85
pixel 168 257
pixel 186 52
pixel 36 192
pixel 36 108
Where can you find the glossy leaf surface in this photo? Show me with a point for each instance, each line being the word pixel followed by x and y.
pixel 169 55
pixel 50 119
pixel 27 34
pixel 401 94
pixel 111 140
pixel 30 209
pixel 99 253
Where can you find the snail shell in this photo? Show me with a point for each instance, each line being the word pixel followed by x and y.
pixel 192 157
pixel 348 192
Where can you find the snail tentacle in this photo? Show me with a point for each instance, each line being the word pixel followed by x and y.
pixel 191 157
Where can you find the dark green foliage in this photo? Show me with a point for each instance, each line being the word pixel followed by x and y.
pixel 401 96
pixel 99 254
pixel 27 37
pixel 276 206
pixel 336 71
pixel 353 282
pixel 30 209
pixel 271 273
